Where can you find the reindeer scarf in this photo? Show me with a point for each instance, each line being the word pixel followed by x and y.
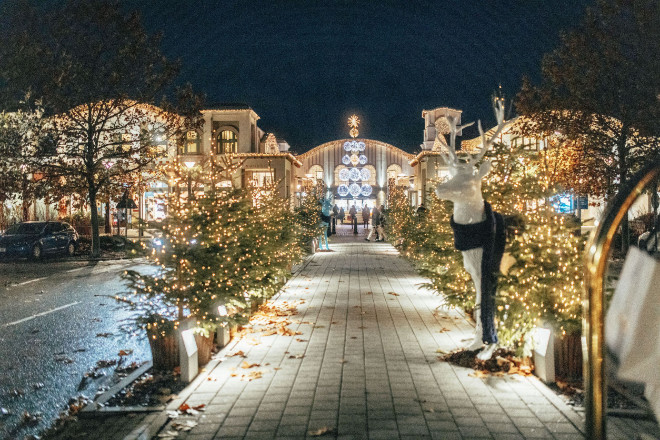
pixel 489 235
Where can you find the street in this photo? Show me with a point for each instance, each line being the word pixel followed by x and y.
pixel 56 322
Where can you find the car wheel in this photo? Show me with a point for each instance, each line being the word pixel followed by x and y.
pixel 71 249
pixel 37 252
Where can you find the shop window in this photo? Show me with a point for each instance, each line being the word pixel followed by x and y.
pixel 227 142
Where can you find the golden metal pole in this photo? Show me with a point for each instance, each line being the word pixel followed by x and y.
pixel 598 251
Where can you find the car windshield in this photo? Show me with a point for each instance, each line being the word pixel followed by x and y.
pixel 26 229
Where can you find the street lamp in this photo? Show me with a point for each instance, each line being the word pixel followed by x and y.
pixel 189 165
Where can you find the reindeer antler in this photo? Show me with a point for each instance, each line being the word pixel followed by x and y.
pixel 498 107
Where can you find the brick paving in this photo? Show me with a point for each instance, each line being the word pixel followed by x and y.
pixel 366 365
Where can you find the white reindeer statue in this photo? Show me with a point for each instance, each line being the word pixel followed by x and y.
pixel 478 231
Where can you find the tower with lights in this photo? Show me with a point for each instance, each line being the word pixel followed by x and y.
pixel 353 180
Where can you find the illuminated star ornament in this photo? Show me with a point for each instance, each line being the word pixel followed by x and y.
pixel 353 122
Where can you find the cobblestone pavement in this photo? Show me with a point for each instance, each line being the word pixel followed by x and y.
pixel 364 366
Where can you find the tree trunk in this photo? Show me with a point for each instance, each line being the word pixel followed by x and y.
pixel 96 245
pixel 107 225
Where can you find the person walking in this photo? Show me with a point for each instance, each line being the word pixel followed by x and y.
pixel 382 221
pixel 375 216
pixel 365 217
pixel 342 214
pixel 353 214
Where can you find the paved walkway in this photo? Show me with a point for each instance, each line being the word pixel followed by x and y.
pixel 365 365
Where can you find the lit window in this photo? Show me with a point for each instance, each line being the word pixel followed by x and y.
pixel 126 138
pixel 190 143
pixel 227 142
pixel 262 178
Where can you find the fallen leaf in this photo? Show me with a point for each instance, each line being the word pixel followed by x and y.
pixel 393 294
pixel 370 293
pixel 238 353
pixel 200 407
pixel 343 361
pixel 184 407
pixel 106 364
pixel 479 374
pixel 184 426
pixel 168 434
pixel 125 352
pixel 30 419
pixel 443 330
pixel 245 365
pixel 103 335
pixel 252 375
pixel 296 356
pixel 321 431
pixel 301 340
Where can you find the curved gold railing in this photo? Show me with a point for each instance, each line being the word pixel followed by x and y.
pixel 593 341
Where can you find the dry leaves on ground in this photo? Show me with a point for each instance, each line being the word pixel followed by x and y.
pixel 502 362
pixel 184 426
pixel 245 365
pixel 393 293
pixel 238 353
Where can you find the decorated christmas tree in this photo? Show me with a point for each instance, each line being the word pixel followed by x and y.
pixel 308 217
pixel 220 252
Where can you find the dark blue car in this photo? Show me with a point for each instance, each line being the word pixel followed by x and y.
pixel 36 239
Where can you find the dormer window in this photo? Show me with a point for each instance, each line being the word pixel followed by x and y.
pixel 227 142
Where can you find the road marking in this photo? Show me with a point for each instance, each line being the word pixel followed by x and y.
pixel 9 324
pixel 30 281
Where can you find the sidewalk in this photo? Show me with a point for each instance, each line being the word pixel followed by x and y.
pixel 365 366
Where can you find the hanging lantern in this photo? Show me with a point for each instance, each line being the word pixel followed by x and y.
pixel 355 174
pixel 354 189
pixel 342 190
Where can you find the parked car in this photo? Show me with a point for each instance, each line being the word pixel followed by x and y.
pixel 36 239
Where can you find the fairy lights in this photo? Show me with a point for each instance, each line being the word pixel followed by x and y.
pixel 543 270
pixel 225 245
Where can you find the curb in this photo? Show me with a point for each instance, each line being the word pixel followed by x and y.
pixel 153 424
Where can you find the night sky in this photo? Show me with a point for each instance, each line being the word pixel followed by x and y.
pixel 305 66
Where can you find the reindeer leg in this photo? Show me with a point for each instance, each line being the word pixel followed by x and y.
pixel 477 342
pixel 472 264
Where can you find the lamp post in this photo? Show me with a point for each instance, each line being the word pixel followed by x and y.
pixel 189 165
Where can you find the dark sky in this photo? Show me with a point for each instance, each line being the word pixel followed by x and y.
pixel 305 66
